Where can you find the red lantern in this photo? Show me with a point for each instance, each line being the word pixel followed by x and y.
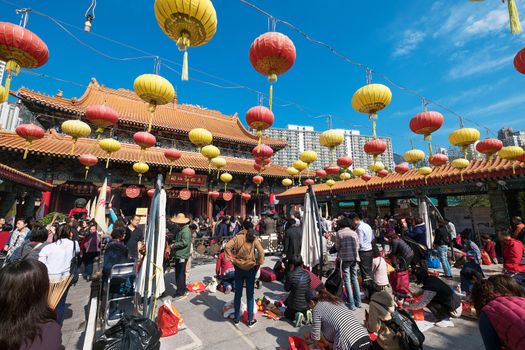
pixel 258 180
pixel 366 177
pixel 309 182
pixel 320 173
pixel 20 47
pixel 227 196
pixel 262 151
pixel 213 195
pixel 344 162
pixel 188 173
pixel 259 118
pixel 262 161
pixel 259 168
pixel 401 168
pixel 425 123
pixel 101 116
pixel 172 155
pixel 332 170
pixel 519 61
pixel 144 139
pixel 272 54
pixel 438 159
pixel 375 147
pixel 151 192
pixel 489 147
pixel 246 196
pixel 88 160
pixel 382 173
pixel 29 132
pixel 185 194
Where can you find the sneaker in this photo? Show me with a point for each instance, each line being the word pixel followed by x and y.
pixel 116 315
pixel 251 323
pixel 258 284
pixel 444 323
pixel 228 290
pixel 351 307
pixel 234 321
pixel 299 319
pixel 309 317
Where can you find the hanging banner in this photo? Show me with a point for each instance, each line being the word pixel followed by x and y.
pixel 179 179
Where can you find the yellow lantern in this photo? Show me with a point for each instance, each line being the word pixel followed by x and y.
pixel 331 139
pixel 299 165
pixel 109 146
pixel 140 168
pixel 200 137
pixel 76 129
pixel 330 183
pixel 414 156
pixel 370 99
pixel 358 172
pixel 511 153
pixel 219 163
pixel 463 138
pixel 2 93
pixel 425 171
pixel 210 152
pixel 460 164
pixel 287 183
pixel 155 90
pixel 226 178
pixel 189 23
pixel 377 166
pixel 345 176
pixel 292 171
pixel 308 157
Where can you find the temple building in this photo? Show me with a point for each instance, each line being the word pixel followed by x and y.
pixel 51 160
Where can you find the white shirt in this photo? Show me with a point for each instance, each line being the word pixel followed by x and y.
pixel 366 236
pixel 57 258
pixel 451 229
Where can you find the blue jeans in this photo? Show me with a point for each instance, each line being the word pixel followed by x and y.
pixel 242 276
pixel 88 263
pixel 228 279
pixel 443 257
pixel 61 308
pixel 350 271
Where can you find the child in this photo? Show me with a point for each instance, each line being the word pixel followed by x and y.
pixel 489 247
pixel 225 270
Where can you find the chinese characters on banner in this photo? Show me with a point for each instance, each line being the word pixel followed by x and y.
pixel 179 179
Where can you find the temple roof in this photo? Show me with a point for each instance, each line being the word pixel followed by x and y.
pixel 172 117
pixel 478 170
pixel 11 174
pixel 57 145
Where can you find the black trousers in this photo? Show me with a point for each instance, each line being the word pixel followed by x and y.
pixel 365 264
pixel 180 277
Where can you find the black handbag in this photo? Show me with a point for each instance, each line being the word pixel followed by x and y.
pixel 334 283
pixel 73 266
pixel 130 333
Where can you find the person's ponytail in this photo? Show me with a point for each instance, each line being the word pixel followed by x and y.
pixel 250 232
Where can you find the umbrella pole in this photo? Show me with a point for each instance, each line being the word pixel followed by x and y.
pixel 315 209
pixel 158 188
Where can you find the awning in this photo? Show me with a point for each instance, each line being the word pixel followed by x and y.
pixel 19 177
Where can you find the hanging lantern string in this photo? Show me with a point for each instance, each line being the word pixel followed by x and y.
pixel 424 103
pixel 148 55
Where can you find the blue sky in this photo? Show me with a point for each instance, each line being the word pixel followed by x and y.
pixel 458 53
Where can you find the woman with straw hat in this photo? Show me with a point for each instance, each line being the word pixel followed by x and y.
pixel 57 257
pixel 181 247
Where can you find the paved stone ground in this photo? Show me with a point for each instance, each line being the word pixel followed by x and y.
pixel 207 329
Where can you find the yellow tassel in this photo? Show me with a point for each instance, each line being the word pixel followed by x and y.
pixel 465 150
pixel 461 175
pixel 26 151
pixel 73 147
pixel 514 168
pixel 225 186
pixel 515 25
pixel 150 121
pixel 257 189
pixel 271 97
pixel 259 135
pixel 428 137
pixel 374 128
pixel 87 171
pixel 426 182
pixel 140 179
pixel 184 75
pixel 209 167
pixel 430 152
pixel 171 168
pixel 218 173
pixel 107 160
pixel 7 86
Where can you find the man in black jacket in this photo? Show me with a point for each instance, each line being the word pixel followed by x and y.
pixel 442 242
pixel 298 284
pixel 292 239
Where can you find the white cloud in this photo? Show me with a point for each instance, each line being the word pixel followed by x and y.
pixel 475 92
pixel 498 107
pixel 411 40
pixel 479 63
pixel 494 21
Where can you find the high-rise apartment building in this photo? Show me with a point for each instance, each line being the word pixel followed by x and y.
pixel 301 138
pixel 9 116
pixel 2 70
pixel 510 137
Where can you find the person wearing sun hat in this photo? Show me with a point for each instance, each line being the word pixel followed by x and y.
pixel 181 247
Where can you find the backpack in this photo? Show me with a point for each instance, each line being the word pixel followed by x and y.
pixel 407 332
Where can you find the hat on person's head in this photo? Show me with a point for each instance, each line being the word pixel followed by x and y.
pixel 311 294
pixel 180 219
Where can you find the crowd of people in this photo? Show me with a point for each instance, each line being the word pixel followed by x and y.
pixel 366 251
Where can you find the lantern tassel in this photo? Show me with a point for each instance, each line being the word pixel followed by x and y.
pixel 209 167
pixel 7 87
pixel 259 135
pixel 428 137
pixel 26 151
pixel 271 97
pixel 184 74
pixel 461 175
pixel 140 179
pixel 514 167
pixel 515 25
pixel 187 184
pixel 257 190
pixel 225 186
pixel 218 173
pixel 87 171
pixel 374 126
pixel 107 160
pixel 171 168
pixel 73 147
pixel 430 151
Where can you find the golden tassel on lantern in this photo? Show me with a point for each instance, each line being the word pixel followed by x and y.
pixel 183 43
pixel 514 19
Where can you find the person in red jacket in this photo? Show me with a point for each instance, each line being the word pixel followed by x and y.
pixel 512 252
pixel 500 304
pixel 489 247
pixel 225 270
